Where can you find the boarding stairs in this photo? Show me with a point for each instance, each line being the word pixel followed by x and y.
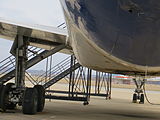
pixel 57 72
pixel 35 55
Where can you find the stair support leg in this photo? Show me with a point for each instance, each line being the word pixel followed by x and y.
pixel 20 47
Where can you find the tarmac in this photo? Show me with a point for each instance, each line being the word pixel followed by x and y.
pixel 119 107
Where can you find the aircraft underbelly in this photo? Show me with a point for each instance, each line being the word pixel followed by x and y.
pixel 115 35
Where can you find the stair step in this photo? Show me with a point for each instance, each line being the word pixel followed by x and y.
pixel 33 61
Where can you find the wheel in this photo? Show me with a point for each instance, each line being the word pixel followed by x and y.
pixel 86 103
pixel 134 98
pixel 30 101
pixel 142 99
pixel 1 88
pixel 41 97
pixel 4 100
pixel 11 106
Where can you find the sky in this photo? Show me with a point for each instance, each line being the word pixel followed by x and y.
pixel 43 12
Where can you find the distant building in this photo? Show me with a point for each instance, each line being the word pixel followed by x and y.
pixel 121 79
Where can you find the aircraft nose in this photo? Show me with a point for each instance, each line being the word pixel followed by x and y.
pixel 132 37
pixel 128 30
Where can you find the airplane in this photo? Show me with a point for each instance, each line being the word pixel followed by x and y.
pixel 113 36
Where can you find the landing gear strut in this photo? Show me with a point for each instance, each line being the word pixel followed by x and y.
pixel 138 95
pixel 32 100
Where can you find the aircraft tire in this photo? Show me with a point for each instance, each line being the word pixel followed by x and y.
pixel 1 89
pixel 41 97
pixel 86 103
pixel 134 98
pixel 142 99
pixel 30 101
pixel 4 100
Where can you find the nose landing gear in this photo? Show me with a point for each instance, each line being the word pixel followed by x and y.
pixel 138 95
